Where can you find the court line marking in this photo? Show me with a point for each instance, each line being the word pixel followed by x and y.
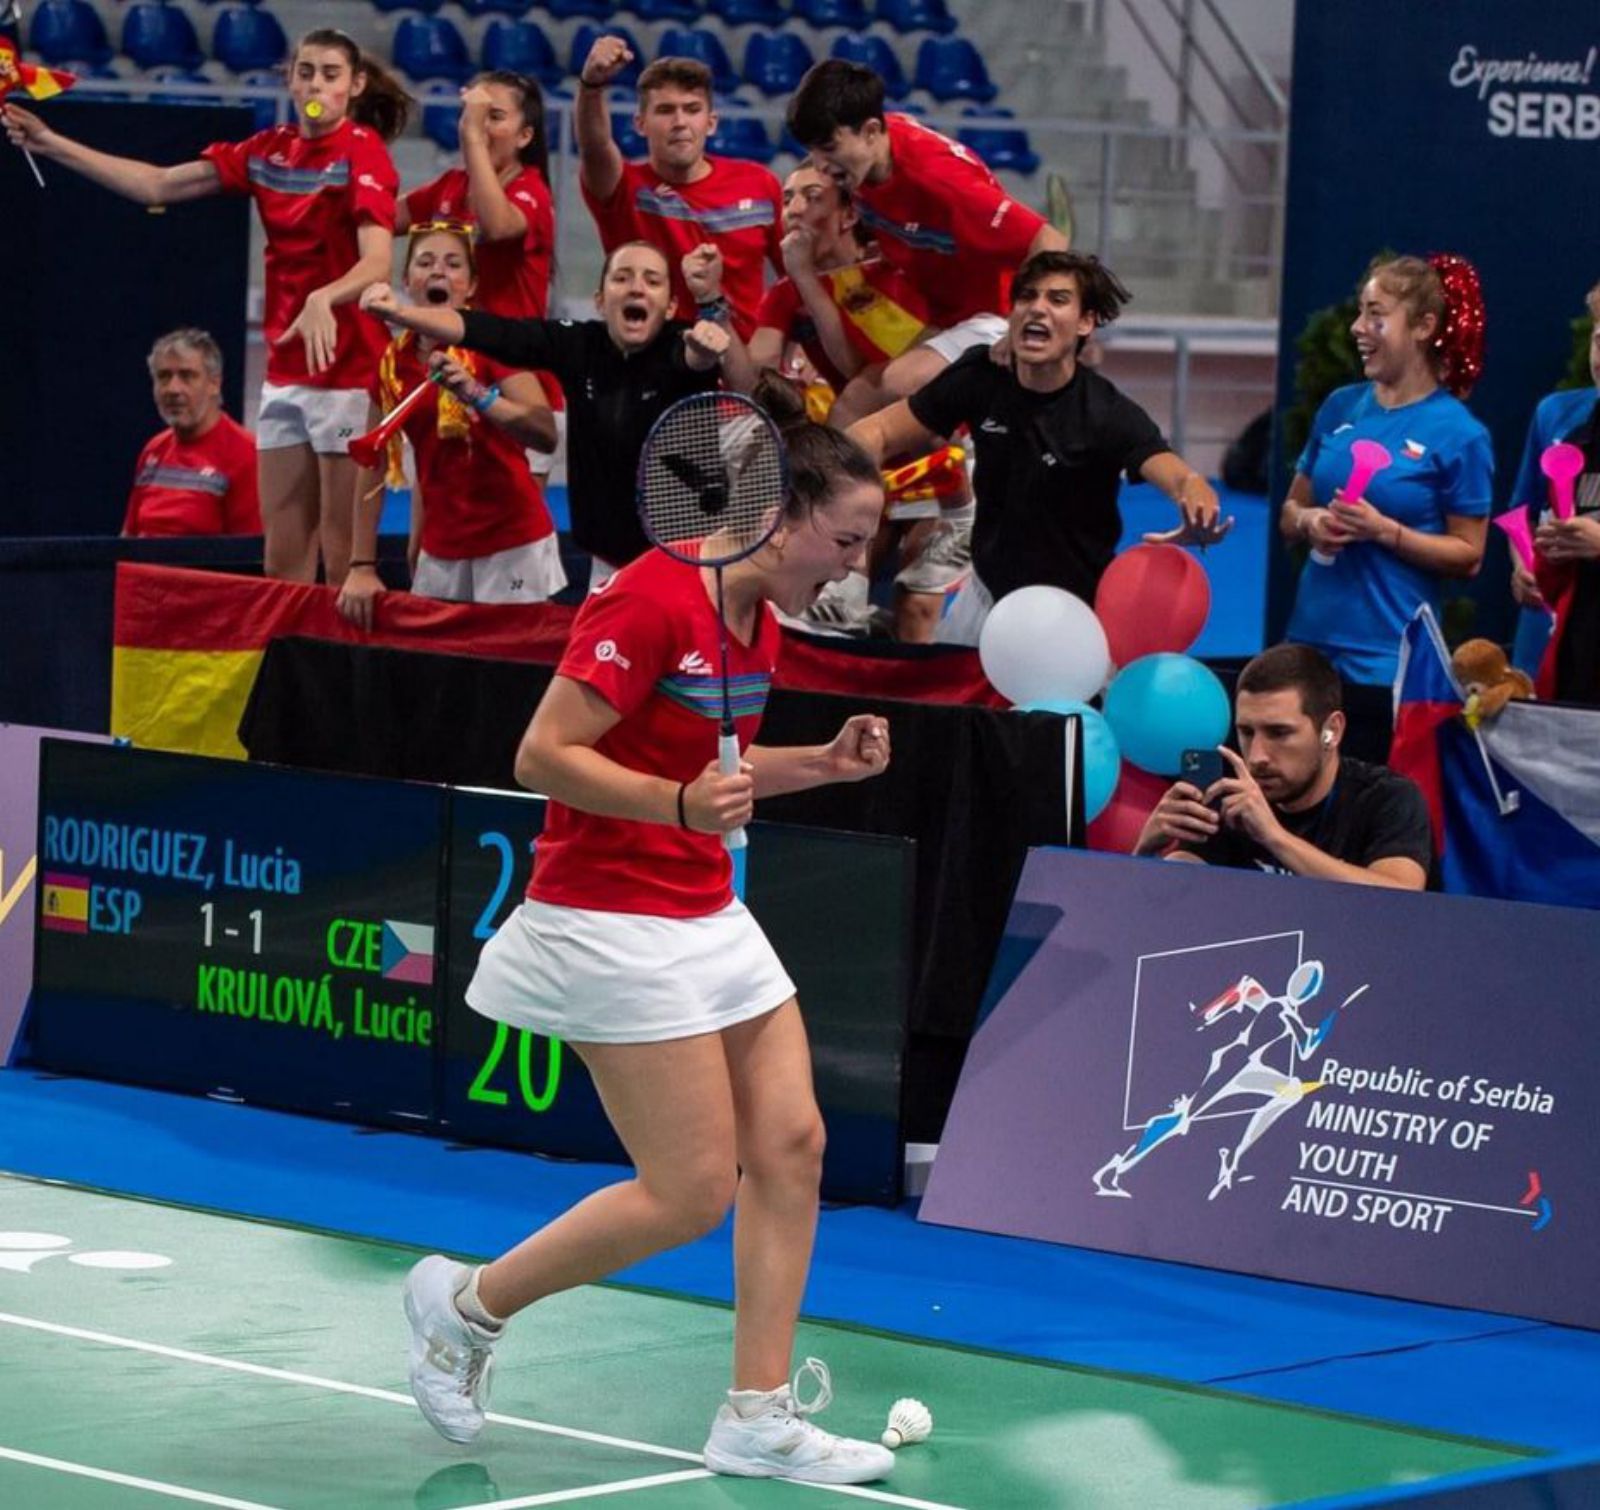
pixel 395 1397
pixel 594 1491
pixel 131 1481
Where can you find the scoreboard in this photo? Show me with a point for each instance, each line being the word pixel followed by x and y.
pixel 299 940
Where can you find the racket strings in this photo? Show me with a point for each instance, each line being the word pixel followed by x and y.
pixel 713 470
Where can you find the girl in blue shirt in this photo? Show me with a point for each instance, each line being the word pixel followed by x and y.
pixel 1423 518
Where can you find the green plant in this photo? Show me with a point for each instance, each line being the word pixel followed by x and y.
pixel 1577 374
pixel 1326 360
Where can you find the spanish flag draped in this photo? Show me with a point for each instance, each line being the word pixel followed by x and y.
pixel 24 78
pixel 187 646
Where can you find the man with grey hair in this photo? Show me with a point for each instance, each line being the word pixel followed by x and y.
pixel 198 476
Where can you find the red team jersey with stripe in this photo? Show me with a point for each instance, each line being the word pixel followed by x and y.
pixel 738 205
pixel 883 314
pixel 647 643
pixel 513 273
pixel 206 486
pixel 943 218
pixel 478 496
pixel 313 193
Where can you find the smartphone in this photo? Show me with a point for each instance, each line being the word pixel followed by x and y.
pixel 1201 767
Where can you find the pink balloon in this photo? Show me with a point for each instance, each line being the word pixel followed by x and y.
pixel 1118 825
pixel 1562 463
pixel 1367 459
pixel 1152 598
pixel 1518 531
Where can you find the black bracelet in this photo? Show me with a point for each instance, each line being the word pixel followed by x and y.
pixel 583 83
pixel 683 821
pixel 372 564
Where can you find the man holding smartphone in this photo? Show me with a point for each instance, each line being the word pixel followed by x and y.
pixel 1289 802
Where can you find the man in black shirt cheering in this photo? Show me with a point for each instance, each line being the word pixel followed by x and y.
pixel 1051 439
pixel 1289 802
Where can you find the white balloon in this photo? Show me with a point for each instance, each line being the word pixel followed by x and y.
pixel 1043 642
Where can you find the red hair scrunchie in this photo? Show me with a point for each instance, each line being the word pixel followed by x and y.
pixel 1460 339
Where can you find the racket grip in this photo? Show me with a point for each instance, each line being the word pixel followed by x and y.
pixel 728 764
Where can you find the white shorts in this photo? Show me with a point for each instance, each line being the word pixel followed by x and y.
pixel 963 623
pixel 627 977
pixel 326 419
pixel 978 330
pixel 524 574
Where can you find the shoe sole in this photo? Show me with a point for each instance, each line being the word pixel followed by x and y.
pixel 417 1353
pixel 818 1474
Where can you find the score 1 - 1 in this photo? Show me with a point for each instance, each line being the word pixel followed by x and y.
pixel 208 913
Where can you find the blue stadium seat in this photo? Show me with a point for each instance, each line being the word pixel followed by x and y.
pixel 596 10
pixel 428 6
pixel 160 36
pixel 516 9
pixel 847 13
pixel 171 74
pixel 65 31
pixel 441 122
pixel 949 68
pixel 246 38
pixel 665 10
pixel 266 110
pixel 877 55
pixel 629 142
pixel 522 47
pixel 430 47
pixel 706 46
pixel 917 15
pixel 741 138
pixel 585 37
pixel 999 146
pixel 555 98
pixel 775 62
pixel 86 72
pixel 748 12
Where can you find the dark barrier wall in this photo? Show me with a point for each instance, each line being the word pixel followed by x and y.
pixel 93 280
pixel 1410 129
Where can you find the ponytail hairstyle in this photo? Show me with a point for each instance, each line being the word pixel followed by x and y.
pixel 383 104
pixel 531 100
pixel 820 457
pixel 1445 287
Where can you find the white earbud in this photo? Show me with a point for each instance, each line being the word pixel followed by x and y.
pixel 1327 738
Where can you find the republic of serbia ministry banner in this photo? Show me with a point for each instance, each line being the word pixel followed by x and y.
pixel 1382 1091
pixel 1471 126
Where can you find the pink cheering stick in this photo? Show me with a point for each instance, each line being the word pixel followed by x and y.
pixel 1562 463
pixel 1519 531
pixel 1367 459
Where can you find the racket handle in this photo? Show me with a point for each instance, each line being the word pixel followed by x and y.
pixel 728 764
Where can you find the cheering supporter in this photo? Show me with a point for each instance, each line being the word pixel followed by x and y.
pixel 1050 438
pixel 198 476
pixel 679 196
pixel 620 373
pixel 325 190
pixel 1288 801
pixel 840 308
pixel 502 189
pixel 935 211
pixel 1423 517
pixel 1560 416
pixel 1569 575
pixel 480 529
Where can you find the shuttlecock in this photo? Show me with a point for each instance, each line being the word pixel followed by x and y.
pixel 909 1421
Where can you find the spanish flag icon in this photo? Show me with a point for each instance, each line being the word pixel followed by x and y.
pixel 64 903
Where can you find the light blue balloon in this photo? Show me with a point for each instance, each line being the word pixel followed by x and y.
pixel 1102 760
pixel 1161 705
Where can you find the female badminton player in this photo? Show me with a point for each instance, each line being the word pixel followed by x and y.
pixel 631 947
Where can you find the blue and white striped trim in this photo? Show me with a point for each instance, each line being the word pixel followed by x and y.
pixel 703 694
pixel 186 478
pixel 922 237
pixel 303 181
pixel 669 206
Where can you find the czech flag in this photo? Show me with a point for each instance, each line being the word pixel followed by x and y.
pixel 1516 801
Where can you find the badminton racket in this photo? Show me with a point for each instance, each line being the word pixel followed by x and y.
pixel 713 477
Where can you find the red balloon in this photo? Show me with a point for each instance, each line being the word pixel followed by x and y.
pixel 1152 598
pixel 1118 825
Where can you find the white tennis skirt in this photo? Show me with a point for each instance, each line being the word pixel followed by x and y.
pixel 627 977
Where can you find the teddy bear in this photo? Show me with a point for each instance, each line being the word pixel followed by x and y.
pixel 1488 679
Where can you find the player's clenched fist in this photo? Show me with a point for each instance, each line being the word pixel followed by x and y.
pixel 718 804
pixel 607 58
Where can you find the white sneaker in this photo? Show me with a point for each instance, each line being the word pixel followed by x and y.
pixel 450 1357
pixel 780 1443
